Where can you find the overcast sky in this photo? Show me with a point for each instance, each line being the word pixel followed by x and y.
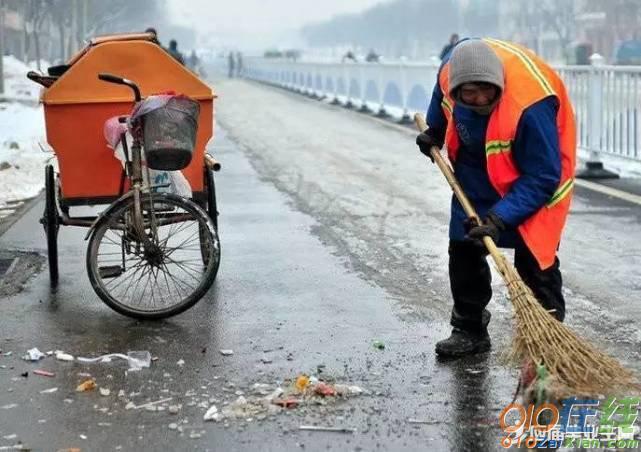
pixel 251 20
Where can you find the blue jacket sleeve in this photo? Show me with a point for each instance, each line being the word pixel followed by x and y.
pixel 537 155
pixel 436 119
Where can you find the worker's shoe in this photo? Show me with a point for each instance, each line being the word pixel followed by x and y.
pixel 463 343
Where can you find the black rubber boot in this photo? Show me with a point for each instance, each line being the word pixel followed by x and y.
pixel 463 343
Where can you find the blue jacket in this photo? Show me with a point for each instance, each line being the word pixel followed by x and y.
pixel 536 153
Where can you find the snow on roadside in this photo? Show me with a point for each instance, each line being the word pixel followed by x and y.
pixel 22 135
pixel 22 160
pixel 16 84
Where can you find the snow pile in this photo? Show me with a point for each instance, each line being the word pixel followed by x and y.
pixel 22 161
pixel 16 83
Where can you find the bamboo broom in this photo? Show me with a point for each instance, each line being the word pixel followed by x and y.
pixel 575 367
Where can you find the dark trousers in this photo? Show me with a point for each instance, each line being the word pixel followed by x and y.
pixel 470 282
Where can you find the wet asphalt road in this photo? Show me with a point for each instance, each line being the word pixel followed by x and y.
pixel 332 232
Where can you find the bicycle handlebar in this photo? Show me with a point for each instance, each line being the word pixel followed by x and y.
pixel 121 81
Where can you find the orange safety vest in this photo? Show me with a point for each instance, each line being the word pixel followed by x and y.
pixel 528 79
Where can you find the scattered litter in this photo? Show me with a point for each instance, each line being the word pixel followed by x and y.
pixel 324 389
pixel 211 413
pixel 69 401
pixel 317 428
pixel 378 344
pixel 226 352
pixel 137 360
pixel 62 356
pixel 83 436
pixel 49 391
pixel 275 394
pixel 262 400
pixel 287 403
pixel 347 390
pixel 104 392
pixel 423 421
pixel 44 373
pixel 261 389
pixel 121 393
pixel 8 407
pixel 131 405
pixel 266 360
pixel 474 371
pixel 173 426
pixel 104 424
pixel 195 435
pixel 180 363
pixel 24 374
pixel 84 374
pixel 14 436
pixel 33 355
pixel 87 385
pixel 302 382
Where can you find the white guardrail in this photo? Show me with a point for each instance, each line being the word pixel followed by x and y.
pixel 607 99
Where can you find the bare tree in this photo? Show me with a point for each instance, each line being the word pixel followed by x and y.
pixel 560 17
pixel 35 17
pixel 534 18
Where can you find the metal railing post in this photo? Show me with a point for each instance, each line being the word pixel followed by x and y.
pixel 405 117
pixel 594 167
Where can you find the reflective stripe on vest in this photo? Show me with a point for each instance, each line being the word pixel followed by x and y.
pixel 527 61
pixel 562 192
pixel 497 146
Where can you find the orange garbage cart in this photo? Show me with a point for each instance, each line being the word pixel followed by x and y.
pixel 76 106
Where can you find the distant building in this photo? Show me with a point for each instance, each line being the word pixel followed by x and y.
pixel 606 24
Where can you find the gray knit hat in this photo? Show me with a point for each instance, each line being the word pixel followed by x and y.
pixel 473 61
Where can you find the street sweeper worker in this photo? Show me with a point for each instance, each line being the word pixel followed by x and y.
pixel 507 123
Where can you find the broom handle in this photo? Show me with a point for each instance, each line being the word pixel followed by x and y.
pixel 459 193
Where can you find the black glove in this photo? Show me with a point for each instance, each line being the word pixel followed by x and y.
pixel 492 227
pixel 426 140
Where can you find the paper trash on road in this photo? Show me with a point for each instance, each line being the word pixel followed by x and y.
pixel 33 355
pixel 43 373
pixel 87 385
pixel 211 414
pixel 62 356
pixel 137 360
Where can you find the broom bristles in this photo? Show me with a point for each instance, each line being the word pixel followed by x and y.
pixel 577 367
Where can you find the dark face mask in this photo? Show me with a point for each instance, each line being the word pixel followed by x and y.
pixel 484 110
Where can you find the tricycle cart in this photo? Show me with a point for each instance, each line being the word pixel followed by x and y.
pixel 151 254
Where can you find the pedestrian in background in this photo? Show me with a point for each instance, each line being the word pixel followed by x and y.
pixel 231 64
pixel 239 64
pixel 174 52
pixel 449 46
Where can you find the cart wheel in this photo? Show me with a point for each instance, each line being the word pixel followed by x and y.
pixel 156 282
pixel 51 222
